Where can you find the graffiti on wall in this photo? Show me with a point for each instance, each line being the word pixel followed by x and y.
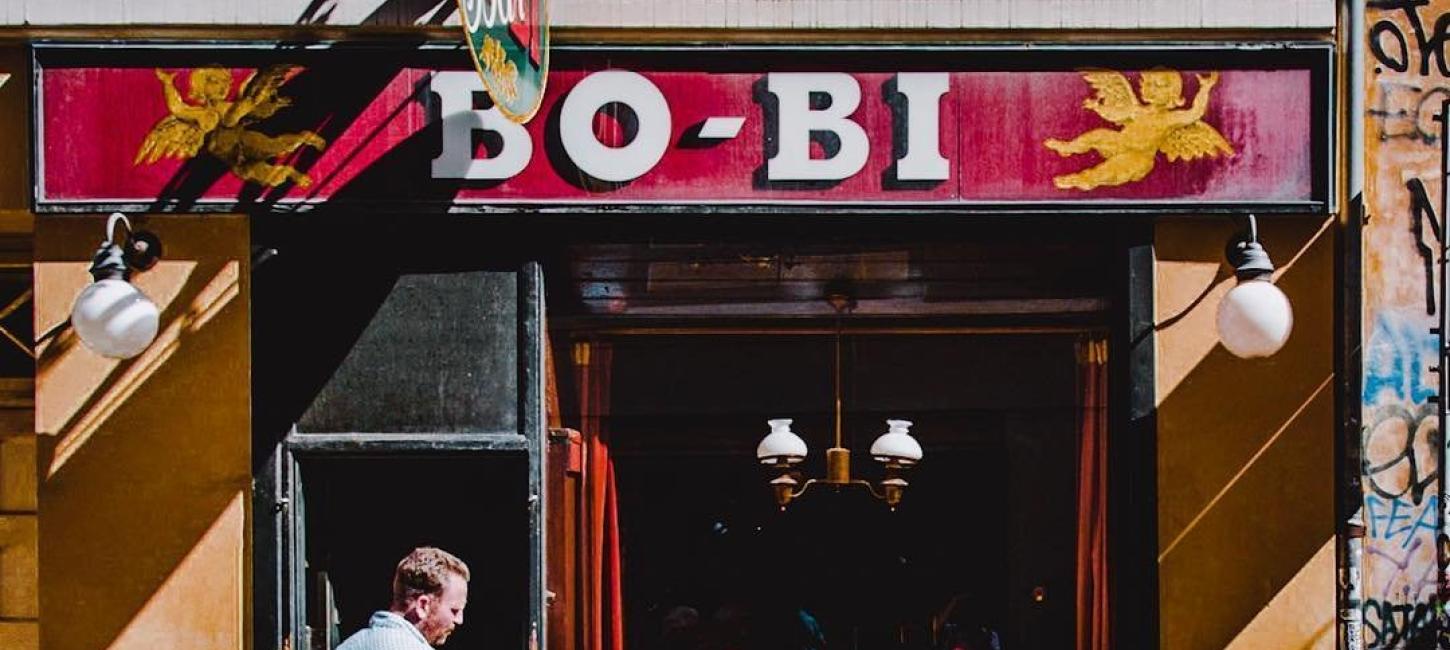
pixel 1401 479
pixel 1408 82
pixel 1399 623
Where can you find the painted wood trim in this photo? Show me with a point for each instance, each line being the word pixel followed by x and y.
pixel 332 444
pixel 730 14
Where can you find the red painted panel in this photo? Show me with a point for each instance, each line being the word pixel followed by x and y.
pixel 1006 117
pixel 992 127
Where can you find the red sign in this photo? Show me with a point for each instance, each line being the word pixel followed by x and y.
pixel 633 135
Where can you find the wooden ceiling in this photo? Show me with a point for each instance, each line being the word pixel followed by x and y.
pixel 714 280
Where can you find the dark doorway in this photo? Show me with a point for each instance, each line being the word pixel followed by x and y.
pixel 365 514
pixel 985 533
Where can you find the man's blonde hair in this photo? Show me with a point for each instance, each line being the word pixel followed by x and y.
pixel 424 571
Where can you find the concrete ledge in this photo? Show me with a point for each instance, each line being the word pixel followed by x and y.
pixel 724 14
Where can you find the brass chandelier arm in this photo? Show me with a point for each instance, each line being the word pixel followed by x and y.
pixel 870 487
pixel 861 482
pixel 806 486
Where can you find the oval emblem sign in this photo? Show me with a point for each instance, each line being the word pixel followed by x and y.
pixel 509 43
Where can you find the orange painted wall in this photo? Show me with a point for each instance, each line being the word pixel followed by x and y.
pixel 1245 447
pixel 144 465
pixel 19 604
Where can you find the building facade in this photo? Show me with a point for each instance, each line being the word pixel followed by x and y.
pixel 571 332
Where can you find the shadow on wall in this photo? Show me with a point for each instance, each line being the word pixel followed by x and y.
pixel 148 468
pixel 328 95
pixel 144 462
pixel 388 12
pixel 1245 446
pixel 329 271
pixel 148 463
pixel 325 276
pixel 326 272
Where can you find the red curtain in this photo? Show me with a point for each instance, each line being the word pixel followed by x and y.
pixel 603 592
pixel 1092 495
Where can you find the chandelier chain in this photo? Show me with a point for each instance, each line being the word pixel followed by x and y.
pixel 838 379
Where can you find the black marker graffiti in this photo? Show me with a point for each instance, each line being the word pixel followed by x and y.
pixel 1399 625
pixel 1428 47
pixel 1422 211
pixel 1408 111
pixel 1399 474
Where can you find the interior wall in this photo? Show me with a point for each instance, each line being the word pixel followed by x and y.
pixel 1246 460
pixel 144 465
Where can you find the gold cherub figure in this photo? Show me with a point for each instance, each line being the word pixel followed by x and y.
pixel 1149 126
pixel 222 126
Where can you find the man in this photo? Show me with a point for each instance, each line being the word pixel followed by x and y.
pixel 430 590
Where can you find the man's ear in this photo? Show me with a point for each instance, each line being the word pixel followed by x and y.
pixel 422 605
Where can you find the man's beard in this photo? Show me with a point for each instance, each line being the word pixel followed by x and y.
pixel 441 638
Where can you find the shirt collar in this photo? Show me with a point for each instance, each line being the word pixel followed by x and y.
pixel 394 620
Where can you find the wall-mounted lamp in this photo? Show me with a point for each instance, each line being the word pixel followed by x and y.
pixel 1254 319
pixel 111 316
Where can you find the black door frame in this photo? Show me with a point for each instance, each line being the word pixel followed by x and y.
pixel 279 550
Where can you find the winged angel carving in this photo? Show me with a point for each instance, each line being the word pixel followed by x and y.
pixel 1154 124
pixel 209 120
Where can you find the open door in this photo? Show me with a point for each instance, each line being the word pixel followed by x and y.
pixel 323 621
pixel 430 431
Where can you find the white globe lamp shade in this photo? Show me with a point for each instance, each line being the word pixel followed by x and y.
pixel 897 445
pixel 1255 319
pixel 781 446
pixel 113 318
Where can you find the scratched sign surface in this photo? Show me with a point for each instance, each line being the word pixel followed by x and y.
pixel 658 130
pixel 1402 444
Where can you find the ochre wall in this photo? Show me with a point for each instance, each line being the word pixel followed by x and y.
pixel 19 606
pixel 144 465
pixel 1245 447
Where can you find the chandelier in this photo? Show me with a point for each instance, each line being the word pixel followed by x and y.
pixel 782 450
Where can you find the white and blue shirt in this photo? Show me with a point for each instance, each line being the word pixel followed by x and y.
pixel 386 631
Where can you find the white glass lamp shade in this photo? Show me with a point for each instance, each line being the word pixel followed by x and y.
pixel 897 445
pixel 1255 319
pixel 781 445
pixel 113 318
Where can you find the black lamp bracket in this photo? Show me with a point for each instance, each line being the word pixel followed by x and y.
pixel 115 259
pixel 1247 255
